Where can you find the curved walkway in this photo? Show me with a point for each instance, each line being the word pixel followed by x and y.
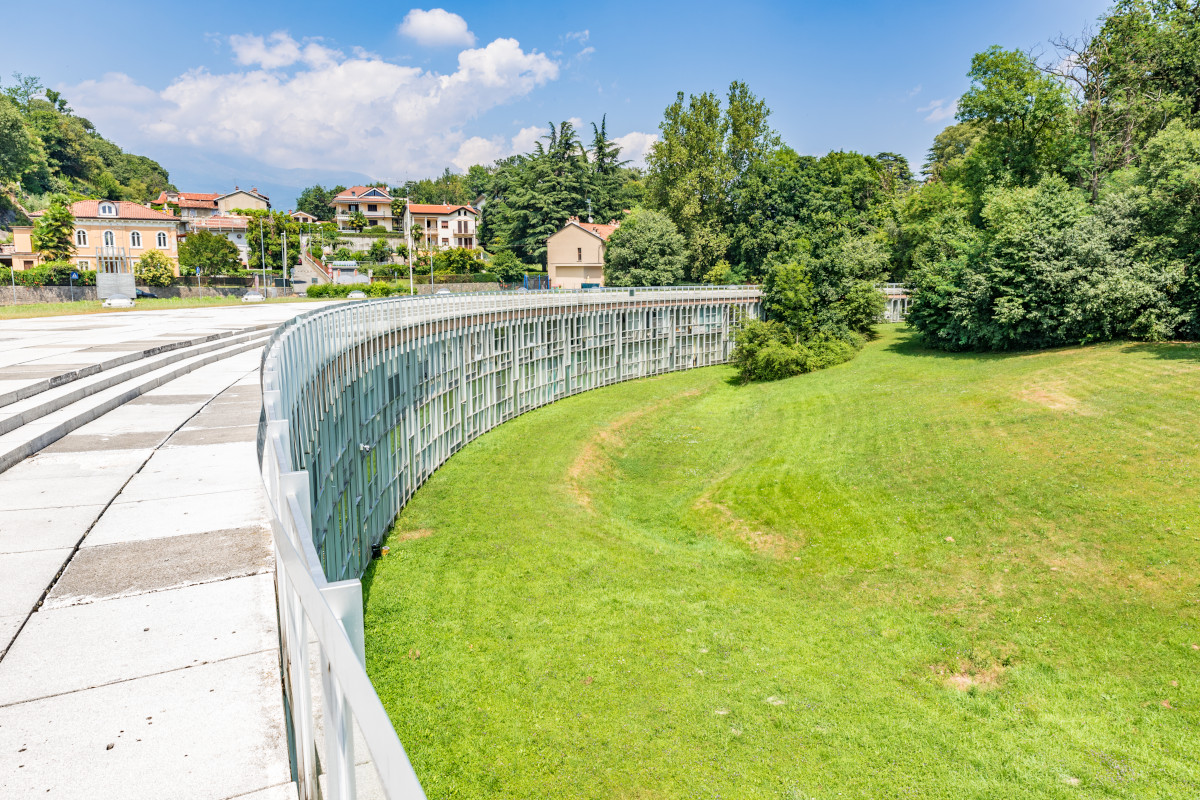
pixel 138 626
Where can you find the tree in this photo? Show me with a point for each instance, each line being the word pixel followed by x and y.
pixel 646 250
pixel 507 267
pixel 380 251
pixel 20 150
pixel 316 200
pixel 358 221
pixel 154 269
pixel 1024 115
pixel 701 154
pixel 211 253
pixel 54 230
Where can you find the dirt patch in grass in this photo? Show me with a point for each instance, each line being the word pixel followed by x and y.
pixel 966 676
pixel 593 459
pixel 408 536
pixel 771 544
pixel 1054 397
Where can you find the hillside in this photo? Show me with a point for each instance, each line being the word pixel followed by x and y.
pixel 913 575
pixel 46 148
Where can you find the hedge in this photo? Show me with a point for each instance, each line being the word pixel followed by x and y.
pixel 53 273
pixel 378 289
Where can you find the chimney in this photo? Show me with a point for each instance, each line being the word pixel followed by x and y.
pixel 573 219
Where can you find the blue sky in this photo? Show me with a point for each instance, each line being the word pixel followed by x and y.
pixel 285 94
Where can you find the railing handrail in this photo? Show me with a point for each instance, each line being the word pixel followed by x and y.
pixel 333 609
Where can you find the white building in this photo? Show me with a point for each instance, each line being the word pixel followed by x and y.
pixel 440 227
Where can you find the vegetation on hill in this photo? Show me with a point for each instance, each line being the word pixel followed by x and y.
pixel 917 574
pixel 45 148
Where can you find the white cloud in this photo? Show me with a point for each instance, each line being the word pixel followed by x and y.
pixel 436 28
pixel 358 113
pixel 579 36
pixel 635 145
pixel 526 138
pixel 280 50
pixel 939 110
pixel 913 92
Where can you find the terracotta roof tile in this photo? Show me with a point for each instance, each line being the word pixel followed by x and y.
pixel 90 209
pixel 426 208
pixel 355 192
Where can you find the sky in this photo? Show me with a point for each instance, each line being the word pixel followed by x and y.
pixel 284 95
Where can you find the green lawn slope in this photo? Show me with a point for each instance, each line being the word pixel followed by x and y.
pixel 915 575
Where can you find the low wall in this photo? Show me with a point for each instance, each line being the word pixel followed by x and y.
pixel 455 288
pixel 26 295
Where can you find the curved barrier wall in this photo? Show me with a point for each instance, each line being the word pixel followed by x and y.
pixel 363 401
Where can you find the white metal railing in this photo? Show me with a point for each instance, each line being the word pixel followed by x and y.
pixel 341 433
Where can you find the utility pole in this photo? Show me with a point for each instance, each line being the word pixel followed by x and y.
pixel 262 252
pixel 285 261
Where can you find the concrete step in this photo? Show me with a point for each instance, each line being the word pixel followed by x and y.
pixel 62 395
pixel 22 442
pixel 70 376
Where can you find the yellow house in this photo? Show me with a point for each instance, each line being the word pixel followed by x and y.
pixel 110 235
pixel 372 202
pixel 575 254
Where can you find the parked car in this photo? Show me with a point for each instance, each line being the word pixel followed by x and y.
pixel 118 301
pixel 357 294
pixel 142 293
pixel 442 291
pixel 252 297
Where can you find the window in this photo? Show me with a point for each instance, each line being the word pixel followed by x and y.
pixel 109 239
pixel 372 208
pixel 162 239
pixel 135 239
pixel 352 208
pixel 445 223
pixel 108 210
pixel 81 238
pixel 445 241
pixel 579 253
pixel 82 263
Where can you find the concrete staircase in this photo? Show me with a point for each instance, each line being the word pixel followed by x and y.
pixel 37 414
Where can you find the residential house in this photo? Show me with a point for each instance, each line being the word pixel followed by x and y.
pixel 110 236
pixel 372 202
pixel 303 217
pixel 241 198
pixel 440 227
pixel 232 227
pixel 575 254
pixel 190 205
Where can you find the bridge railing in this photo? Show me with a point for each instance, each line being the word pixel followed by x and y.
pixel 362 402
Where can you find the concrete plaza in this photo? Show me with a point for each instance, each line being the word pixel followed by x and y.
pixel 138 628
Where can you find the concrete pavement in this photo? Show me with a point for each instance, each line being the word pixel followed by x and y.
pixel 137 611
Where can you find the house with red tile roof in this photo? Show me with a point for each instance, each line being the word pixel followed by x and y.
pixel 372 202
pixel 440 227
pixel 110 236
pixel 232 226
pixel 575 254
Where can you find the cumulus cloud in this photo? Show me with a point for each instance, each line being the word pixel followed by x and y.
pixel 939 110
pixel 436 27
pixel 359 113
pixel 635 145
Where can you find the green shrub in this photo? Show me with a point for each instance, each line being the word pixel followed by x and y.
pixel 154 269
pixel 767 351
pixel 379 289
pixel 53 273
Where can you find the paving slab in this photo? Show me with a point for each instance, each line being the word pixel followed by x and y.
pixel 190 435
pixel 8 629
pixel 118 570
pixel 79 647
pixel 28 529
pixel 85 442
pixel 25 576
pixel 196 470
pixel 173 516
pixel 137 739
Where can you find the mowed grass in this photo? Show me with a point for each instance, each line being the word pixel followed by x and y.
pixel 916 575
pixel 31 310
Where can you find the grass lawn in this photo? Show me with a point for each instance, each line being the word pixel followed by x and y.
pixel 916 575
pixel 96 306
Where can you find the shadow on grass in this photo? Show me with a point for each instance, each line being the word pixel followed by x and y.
pixel 909 344
pixel 1171 351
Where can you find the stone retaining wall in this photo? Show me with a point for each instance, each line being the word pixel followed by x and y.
pixel 456 288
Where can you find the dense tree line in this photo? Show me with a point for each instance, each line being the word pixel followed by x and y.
pixel 1064 206
pixel 45 148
